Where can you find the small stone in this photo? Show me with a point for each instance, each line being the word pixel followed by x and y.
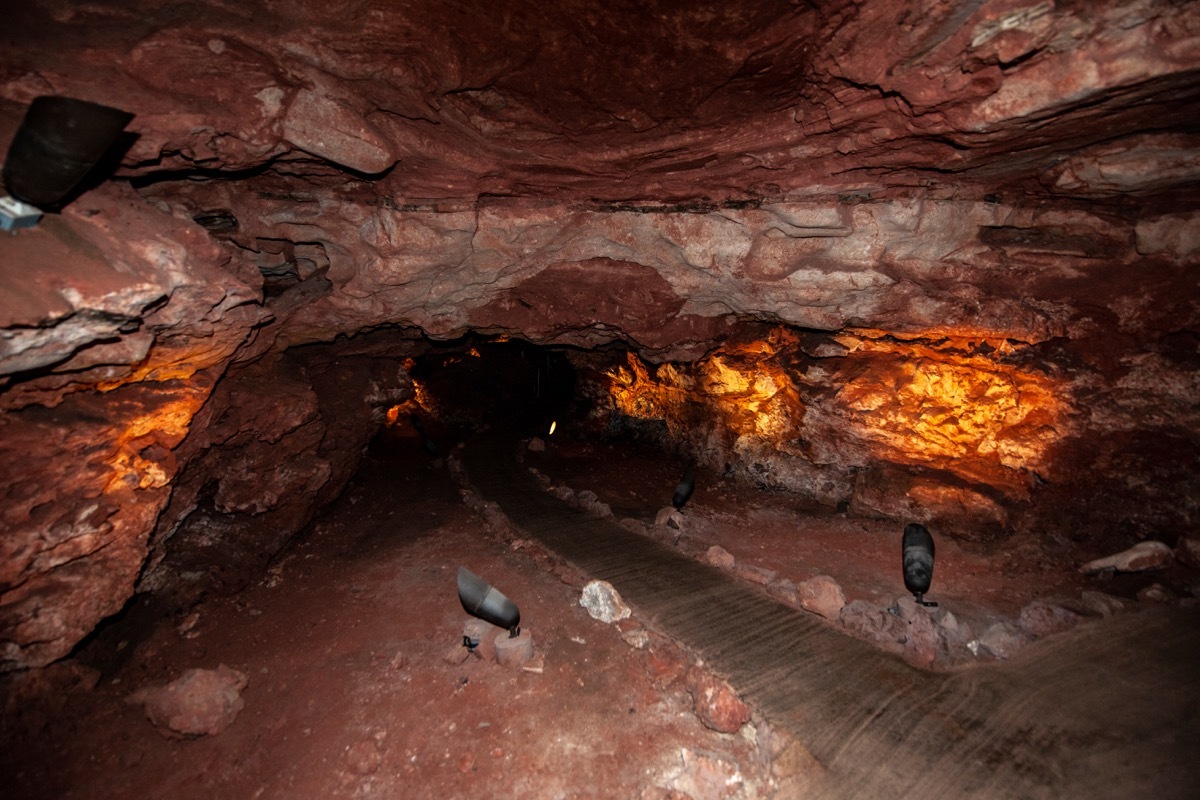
pixel 564 493
pixel 1102 604
pixel 603 602
pixel 1139 558
pixel 364 757
pixel 715 702
pixel 536 445
pixel 664 665
pixel 1003 639
pixel 631 524
pixel 201 702
pixel 749 572
pixel 189 622
pixel 1040 618
pixel 669 517
pixel 719 557
pixel 923 637
pixel 875 624
pixel 783 590
pixel 1187 550
pixel 633 634
pixel 1156 593
pixel 568 574
pixel 821 595
pixel 596 509
pixel 955 633
pixel 587 496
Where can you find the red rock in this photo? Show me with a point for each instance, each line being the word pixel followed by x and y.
pixel 364 757
pixel 923 638
pixel 821 595
pixel 875 624
pixel 1004 640
pixel 1041 618
pixel 1102 604
pixel 719 557
pixel 668 517
pixel 1156 593
pixel 708 776
pixel 664 664
pixel 1139 558
pixel 755 574
pixel 1188 550
pixel 783 590
pixel 325 126
pixel 715 702
pixel 201 702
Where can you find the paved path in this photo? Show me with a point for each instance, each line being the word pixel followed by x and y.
pixel 1110 710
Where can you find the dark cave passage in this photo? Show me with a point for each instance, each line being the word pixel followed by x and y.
pixel 514 385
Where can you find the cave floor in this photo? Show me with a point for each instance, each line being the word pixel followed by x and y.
pixel 1104 710
pixel 349 694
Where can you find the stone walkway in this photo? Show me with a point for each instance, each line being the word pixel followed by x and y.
pixel 1109 710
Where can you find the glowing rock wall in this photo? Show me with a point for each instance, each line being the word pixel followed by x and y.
pixel 979 436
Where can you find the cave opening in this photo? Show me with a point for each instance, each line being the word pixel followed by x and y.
pixel 509 384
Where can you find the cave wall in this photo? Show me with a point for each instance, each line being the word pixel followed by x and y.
pixel 117 328
pixel 279 438
pixel 995 199
pixel 979 438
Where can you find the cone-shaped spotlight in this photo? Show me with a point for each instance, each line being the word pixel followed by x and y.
pixel 58 143
pixel 482 600
pixel 917 550
pixel 683 492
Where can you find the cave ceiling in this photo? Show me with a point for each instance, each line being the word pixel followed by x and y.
pixel 981 168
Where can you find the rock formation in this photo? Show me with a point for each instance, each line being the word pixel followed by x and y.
pixel 932 261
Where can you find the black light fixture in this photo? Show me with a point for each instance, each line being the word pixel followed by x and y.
pixel 917 552
pixel 687 485
pixel 58 143
pixel 481 599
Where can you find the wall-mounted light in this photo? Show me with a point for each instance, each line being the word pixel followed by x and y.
pixel 58 143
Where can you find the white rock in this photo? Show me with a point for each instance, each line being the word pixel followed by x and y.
pixel 1142 556
pixel 603 602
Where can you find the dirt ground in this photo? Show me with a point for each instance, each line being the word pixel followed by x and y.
pixel 344 641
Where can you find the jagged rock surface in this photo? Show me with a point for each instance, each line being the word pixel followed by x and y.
pixel 992 202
